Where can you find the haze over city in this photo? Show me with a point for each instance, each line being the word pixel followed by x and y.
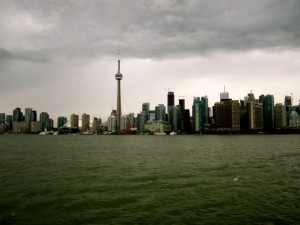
pixel 61 56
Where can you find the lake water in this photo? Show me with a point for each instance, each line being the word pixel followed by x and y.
pixel 192 179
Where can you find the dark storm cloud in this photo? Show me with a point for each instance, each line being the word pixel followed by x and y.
pixel 65 30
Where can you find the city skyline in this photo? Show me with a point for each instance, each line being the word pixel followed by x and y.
pixel 56 60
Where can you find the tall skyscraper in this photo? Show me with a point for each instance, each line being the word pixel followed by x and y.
pixel 160 112
pixel 2 117
pixel 28 115
pixel 74 121
pixel 141 121
pixel 279 116
pixel 268 111
pixel 146 108
pixel 119 77
pixel 171 98
pixel 44 119
pixel 198 114
pixel 17 115
pixel 85 122
pixel 111 124
pixel 204 100
pixel 175 118
pixel 124 122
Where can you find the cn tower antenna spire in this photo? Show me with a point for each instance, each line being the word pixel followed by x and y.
pixel 119 77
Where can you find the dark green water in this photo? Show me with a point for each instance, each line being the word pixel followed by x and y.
pixel 150 179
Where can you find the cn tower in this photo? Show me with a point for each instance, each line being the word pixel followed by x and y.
pixel 119 110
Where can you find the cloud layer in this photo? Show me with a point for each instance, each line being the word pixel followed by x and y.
pixel 71 46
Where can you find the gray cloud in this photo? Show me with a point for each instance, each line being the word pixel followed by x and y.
pixel 56 30
pixel 51 51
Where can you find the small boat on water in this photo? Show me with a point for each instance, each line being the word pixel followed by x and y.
pixel 159 133
pixel 173 133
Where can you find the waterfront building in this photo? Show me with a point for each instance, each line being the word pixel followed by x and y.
pixel 259 116
pixel 2 118
pixel 158 126
pixel 61 121
pixel 141 121
pixel 124 122
pixel 44 119
pixel 268 111
pixel 146 108
pixel 204 100
pixel 4 127
pixel 171 100
pixel 187 127
pixel 28 115
pixel 9 121
pixel 34 115
pixel 182 105
pixel 17 115
pixel 151 115
pixel 294 119
pixel 36 127
pixel 112 124
pixel 227 116
pixel 131 120
pixel 254 116
pixel 74 121
pixel 198 115
pixel 85 122
pixel 182 108
pixel 175 118
pixel 160 112
pixel 118 77
pixel 20 127
pixel 288 103
pixel 96 125
pixel 280 116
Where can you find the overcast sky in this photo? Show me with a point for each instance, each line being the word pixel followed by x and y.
pixel 60 56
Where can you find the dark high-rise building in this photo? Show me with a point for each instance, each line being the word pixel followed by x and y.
pixel 175 118
pixel 118 77
pixel 268 111
pixel 2 117
pixel 198 115
pixel 9 120
pixel 187 128
pixel 146 108
pixel 160 112
pixel 17 115
pixel 61 121
pixel 227 115
pixel 28 115
pixel 182 108
pixel 44 119
pixel 34 116
pixel 171 100
pixel 141 121
pixel 204 100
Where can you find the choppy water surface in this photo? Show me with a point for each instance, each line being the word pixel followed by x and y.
pixel 150 179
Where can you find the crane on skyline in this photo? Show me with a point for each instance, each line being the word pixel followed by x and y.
pixel 168 89
pixel 184 96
